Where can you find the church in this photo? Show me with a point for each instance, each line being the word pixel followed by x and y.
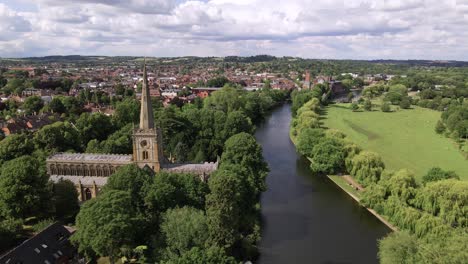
pixel 89 172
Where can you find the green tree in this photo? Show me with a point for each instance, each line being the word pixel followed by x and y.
pixel 223 208
pixel 405 103
pixel 203 256
pixel 385 107
pixel 182 229
pixel 242 149
pixel 32 104
pixel 15 146
pixel 328 157
pixel 437 174
pixel 126 112
pixel 105 225
pixel 398 247
pixel 132 179
pixel 308 139
pixel 440 127
pixel 65 199
pixel 170 190
pixel 237 122
pixel 60 136
pixel 23 188
pixel 354 107
pixel 227 99
pixel 94 126
pixel 367 167
pixel 368 105
pixel 56 106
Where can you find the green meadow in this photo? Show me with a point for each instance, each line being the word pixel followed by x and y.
pixel 404 139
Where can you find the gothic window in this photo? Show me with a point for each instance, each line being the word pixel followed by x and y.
pixel 88 195
pixel 145 155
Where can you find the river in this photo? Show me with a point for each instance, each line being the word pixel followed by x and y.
pixel 306 218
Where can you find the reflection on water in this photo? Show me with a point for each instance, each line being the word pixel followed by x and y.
pixel 306 218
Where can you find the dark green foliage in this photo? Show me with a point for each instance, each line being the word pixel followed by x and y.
pixel 132 179
pixel 15 146
pixel 169 190
pixel 328 157
pixel 299 98
pixel 368 105
pixel 354 106
pixel 440 127
pixel 105 225
pixel 308 139
pixel 94 126
pixel 32 105
pixel 367 167
pixel 59 136
pixel 398 247
pixel 126 112
pixel 217 82
pixel 56 106
pixel 120 142
pixel 437 174
pixel 223 208
pixel 23 188
pixel 405 103
pixel 385 107
pixel 182 229
pixel 65 199
pixel 243 150
pixel 203 256
pixel 11 233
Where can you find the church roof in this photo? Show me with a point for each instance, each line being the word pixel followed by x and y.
pixel 84 180
pixel 195 168
pixel 90 158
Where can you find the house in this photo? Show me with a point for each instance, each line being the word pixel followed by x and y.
pixel 51 245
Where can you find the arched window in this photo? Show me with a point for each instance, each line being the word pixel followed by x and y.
pixel 88 195
pixel 145 155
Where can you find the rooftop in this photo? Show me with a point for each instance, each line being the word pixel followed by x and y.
pixel 85 157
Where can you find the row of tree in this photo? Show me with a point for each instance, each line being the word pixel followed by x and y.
pixel 428 213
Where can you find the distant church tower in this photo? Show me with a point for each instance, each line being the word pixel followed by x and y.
pixel 147 140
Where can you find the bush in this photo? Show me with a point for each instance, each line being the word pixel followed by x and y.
pixel 386 107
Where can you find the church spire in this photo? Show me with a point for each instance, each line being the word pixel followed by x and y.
pixel 146 112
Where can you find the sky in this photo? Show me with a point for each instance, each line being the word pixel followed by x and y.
pixel 322 29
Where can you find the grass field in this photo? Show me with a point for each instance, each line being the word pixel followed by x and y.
pixel 404 139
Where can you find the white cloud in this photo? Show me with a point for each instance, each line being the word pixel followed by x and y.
pixel 359 29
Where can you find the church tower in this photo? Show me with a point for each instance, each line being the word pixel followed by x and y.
pixel 147 140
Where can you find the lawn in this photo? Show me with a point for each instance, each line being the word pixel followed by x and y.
pixel 404 139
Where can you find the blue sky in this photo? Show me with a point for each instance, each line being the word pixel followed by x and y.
pixel 335 29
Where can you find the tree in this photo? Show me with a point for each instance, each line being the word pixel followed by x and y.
pixel 126 112
pixel 65 198
pixel 56 106
pixel 437 174
pixel 440 127
pixel 132 179
pixel 237 122
pixel 61 136
pixel 105 225
pixel 182 229
pixel 308 139
pixel 94 126
pixel 385 107
pixel 32 104
pixel 368 105
pixel 328 157
pixel 398 247
pixel 367 167
pixel 227 99
pixel 354 107
pixel 242 149
pixel 203 256
pixel 223 208
pixel 170 190
pixel 23 188
pixel 405 103
pixel 15 146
